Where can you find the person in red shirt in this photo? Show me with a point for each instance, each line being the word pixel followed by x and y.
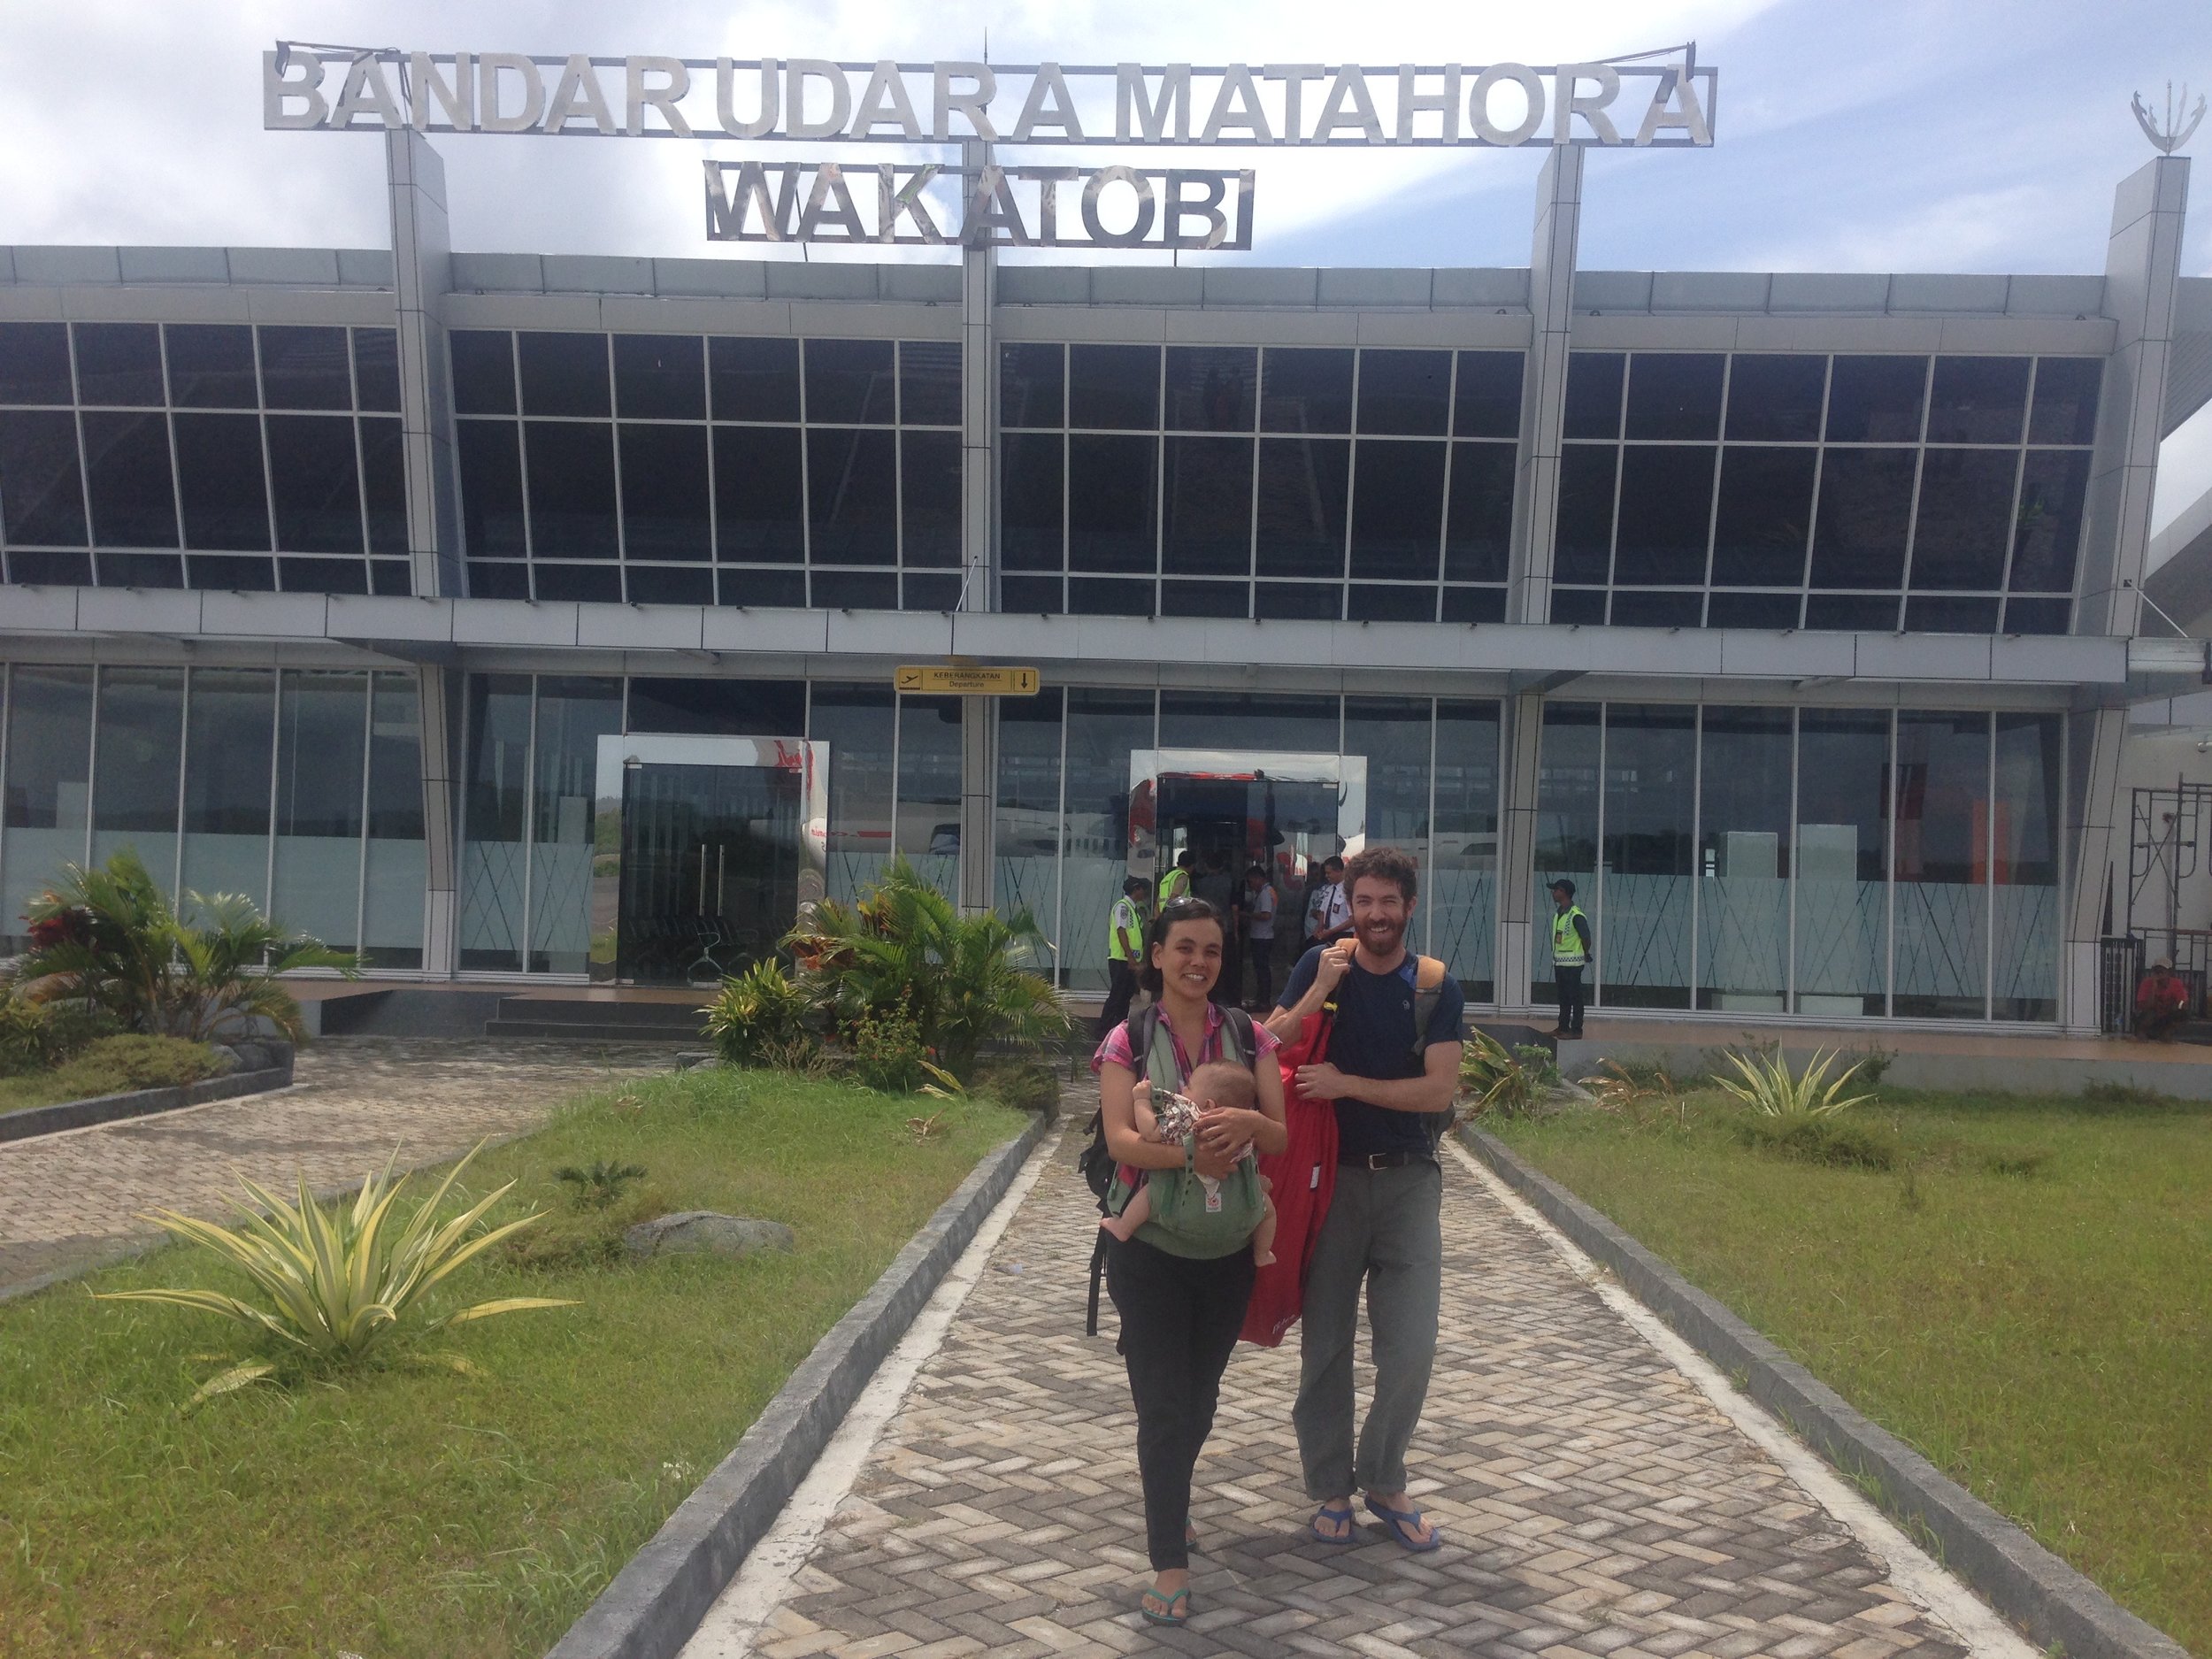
pixel 2160 1002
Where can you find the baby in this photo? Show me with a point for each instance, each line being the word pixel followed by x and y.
pixel 1216 1084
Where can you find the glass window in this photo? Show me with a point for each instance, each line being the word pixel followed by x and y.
pixel 1474 605
pixel 2038 616
pixel 786 588
pixel 304 368
pixel 1942 888
pixel 1391 601
pixel 1032 384
pixel 1478 533
pixel 1945 614
pixel 220 483
pixel 668 585
pixel 1663 608
pixel 322 733
pixel 135 758
pixel 2023 896
pixel 1876 400
pixel 574 712
pixel 211 366
pixel 141 570
pixel 664 513
pixel 1405 393
pixel 1569 774
pixel 1026 835
pixel 928 828
pixel 1461 894
pixel 120 364
pixel 2054 484
pixel 483 371
pixel 1486 397
pixel 494 785
pixel 849 380
pixel 376 368
pixel 1764 521
pixel 48 783
pixel 229 743
pixel 1743 869
pixel 1211 389
pixel 1964 525
pixel 562 374
pixel 397 864
pixel 490 465
pixel 1306 388
pixel 1583 541
pixel 1304 506
pixel 1849 611
pixel 1304 602
pixel 1776 397
pixel 1751 611
pixel 594 584
pixel 1112 503
pixel 34 363
pixel 1397 510
pixel 1666 513
pixel 1114 387
pixel 1100 596
pixel 1675 394
pixel 929 498
pixel 1642 921
pixel 316 483
pixel 929 382
pixel 757 496
pixel 1865 512
pixel 1594 394
pixel 572 490
pixel 856 722
pixel 40 486
pixel 1031 504
pixel 1977 400
pixel 128 479
pixel 1209 506
pixel 2065 407
pixel 1102 727
pixel 1258 720
pixel 1205 599
pixel 660 377
pixel 1393 735
pixel 718 708
pixel 855 590
pixel 1842 862
pixel 754 379
pixel 852 496
pixel 384 485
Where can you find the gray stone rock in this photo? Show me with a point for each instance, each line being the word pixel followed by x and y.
pixel 227 1060
pixel 706 1232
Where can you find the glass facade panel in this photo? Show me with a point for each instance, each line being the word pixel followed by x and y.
pixel 1676 394
pixel 1398 513
pixel 852 488
pixel 1306 388
pixel 229 747
pixel 305 368
pixel 1478 533
pixel 1842 862
pixel 1665 514
pixel 1743 889
pixel 758 500
pixel 1102 727
pixel 1764 522
pixel 1568 793
pixel 1942 830
pixel 927 831
pixel 1393 735
pixel 1876 399
pixel 1032 384
pixel 211 366
pixel 1026 835
pixel 1304 504
pixel 859 724
pixel 396 859
pixel 34 363
pixel 49 784
pixel 664 511
pixel 220 484
pixel 1405 394
pixel 1644 902
pixel 850 381
pixel 316 481
pixel 1113 510
pixel 572 490
pixel 1114 387
pixel 1211 389
pixel 660 377
pixel 1208 529
pixel 1775 397
pixel 1486 396
pixel 496 783
pixel 42 492
pixel 127 476
pixel 322 734
pixel 137 746
pixel 2029 826
pixel 118 365
pixel 1462 896
pixel 754 379
pixel 562 374
pixel 573 714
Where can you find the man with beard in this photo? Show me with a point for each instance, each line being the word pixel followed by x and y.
pixel 1392 1067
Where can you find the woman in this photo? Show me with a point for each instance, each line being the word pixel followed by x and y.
pixel 1180 1313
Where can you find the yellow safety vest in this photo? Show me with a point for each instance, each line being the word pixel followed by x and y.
pixel 1174 885
pixel 1123 918
pixel 1566 943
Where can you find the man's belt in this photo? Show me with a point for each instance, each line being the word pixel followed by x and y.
pixel 1384 1160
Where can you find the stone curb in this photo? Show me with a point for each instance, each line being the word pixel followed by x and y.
pixel 107 1108
pixel 2056 1606
pixel 656 1601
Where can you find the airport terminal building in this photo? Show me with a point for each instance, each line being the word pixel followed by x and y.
pixel 538 618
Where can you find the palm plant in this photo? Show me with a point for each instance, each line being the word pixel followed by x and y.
pixel 1768 1089
pixel 1507 1082
pixel 335 1282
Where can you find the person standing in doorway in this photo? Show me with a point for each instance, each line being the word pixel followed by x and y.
pixel 1125 952
pixel 1176 883
pixel 1328 912
pixel 1259 934
pixel 1569 956
pixel 1216 886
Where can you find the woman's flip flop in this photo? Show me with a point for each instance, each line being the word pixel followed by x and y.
pixel 1168 1616
pixel 1404 1524
pixel 1344 1515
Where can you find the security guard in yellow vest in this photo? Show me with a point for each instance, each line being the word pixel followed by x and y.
pixel 1125 952
pixel 1176 883
pixel 1569 956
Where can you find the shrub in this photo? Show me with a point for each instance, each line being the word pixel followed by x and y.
pixel 759 1018
pixel 1507 1083
pixel 1822 1138
pixel 35 1036
pixel 115 1066
pixel 1768 1088
pixel 599 1184
pixel 884 1051
pixel 1033 1087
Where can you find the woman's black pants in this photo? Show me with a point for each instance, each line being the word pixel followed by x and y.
pixel 1180 1320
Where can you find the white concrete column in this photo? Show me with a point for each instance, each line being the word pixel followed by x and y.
pixel 439 692
pixel 1544 384
pixel 415 182
pixel 1524 721
pixel 979 551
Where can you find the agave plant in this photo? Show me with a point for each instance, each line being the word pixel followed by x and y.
pixel 1768 1089
pixel 758 1015
pixel 1507 1082
pixel 337 1282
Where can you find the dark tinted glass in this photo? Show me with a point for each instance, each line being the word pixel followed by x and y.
pixel 141 570
pixel 1862 519
pixel 1577 604
pixel 1751 611
pixel 303 576
pixel 929 498
pixel 1479 529
pixel 1032 389
pixel 562 374
pixel 219 482
pixel 34 363
pixel 1407 392
pixel 1765 519
pixel 1675 394
pixel 315 484
pixel 1096 596
pixel 376 368
pixel 1112 484
pixel 40 486
pixel 1666 509
pixel 390 578
pixel 754 379
pixel 67 570
pixel 1378 602
pixel 211 366
pixel 1397 510
pixel 1964 527
pixel 1876 400
pixel 785 589
pixel 595 584
pixel 490 580
pixel 1305 496
pixel 570 475
pixel 2065 400
pixel 849 380
pixel 1205 599
pixel 1661 610
pixel 490 465
pixel 1114 387
pixel 248 574
pixel 664 513
pixel 1947 615
pixel 1310 602
pixel 852 496
pixel 668 585
pixel 1306 388
pixel 1474 605
pixel 1977 400
pixel 384 486
pixel 929 382
pixel 661 376
pixel 929 592
pixel 305 368
pixel 718 708
pixel 1212 388
pixel 855 590
pixel 483 371
pixel 1776 397
pixel 1584 550
pixel 127 481
pixel 120 362
pixel 756 499
pixel 2038 616
pixel 1209 507
pixel 1487 400
pixel 1594 394
pixel 2053 484
pixel 1030 500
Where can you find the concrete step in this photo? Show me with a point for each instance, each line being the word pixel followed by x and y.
pixel 583 1031
pixel 551 1010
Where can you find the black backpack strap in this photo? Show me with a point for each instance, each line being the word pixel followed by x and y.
pixel 1238 1024
pixel 1098 1273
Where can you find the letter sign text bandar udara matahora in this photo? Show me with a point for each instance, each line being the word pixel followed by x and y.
pixel 1649 101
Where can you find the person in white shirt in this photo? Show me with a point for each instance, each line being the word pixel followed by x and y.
pixel 1259 934
pixel 1328 912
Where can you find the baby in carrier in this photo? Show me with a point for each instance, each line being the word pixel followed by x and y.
pixel 1216 1084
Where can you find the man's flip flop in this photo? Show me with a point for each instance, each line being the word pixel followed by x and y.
pixel 1171 1616
pixel 1403 1525
pixel 1351 1532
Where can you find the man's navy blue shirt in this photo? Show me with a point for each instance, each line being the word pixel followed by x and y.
pixel 1373 1038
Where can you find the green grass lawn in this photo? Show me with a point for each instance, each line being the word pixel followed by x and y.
pixel 411 1510
pixel 2045 1337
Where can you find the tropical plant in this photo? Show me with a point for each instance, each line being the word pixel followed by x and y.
pixel 600 1183
pixel 759 1018
pixel 1506 1082
pixel 335 1283
pixel 109 937
pixel 1768 1088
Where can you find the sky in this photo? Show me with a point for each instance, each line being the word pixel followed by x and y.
pixel 1966 136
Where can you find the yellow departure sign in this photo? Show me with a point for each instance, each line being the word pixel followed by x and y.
pixel 940 681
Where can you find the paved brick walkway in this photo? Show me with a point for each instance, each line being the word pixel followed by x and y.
pixel 1595 1503
pixel 70 1199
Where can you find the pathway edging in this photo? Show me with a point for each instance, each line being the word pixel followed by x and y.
pixel 657 1599
pixel 107 1108
pixel 2056 1604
